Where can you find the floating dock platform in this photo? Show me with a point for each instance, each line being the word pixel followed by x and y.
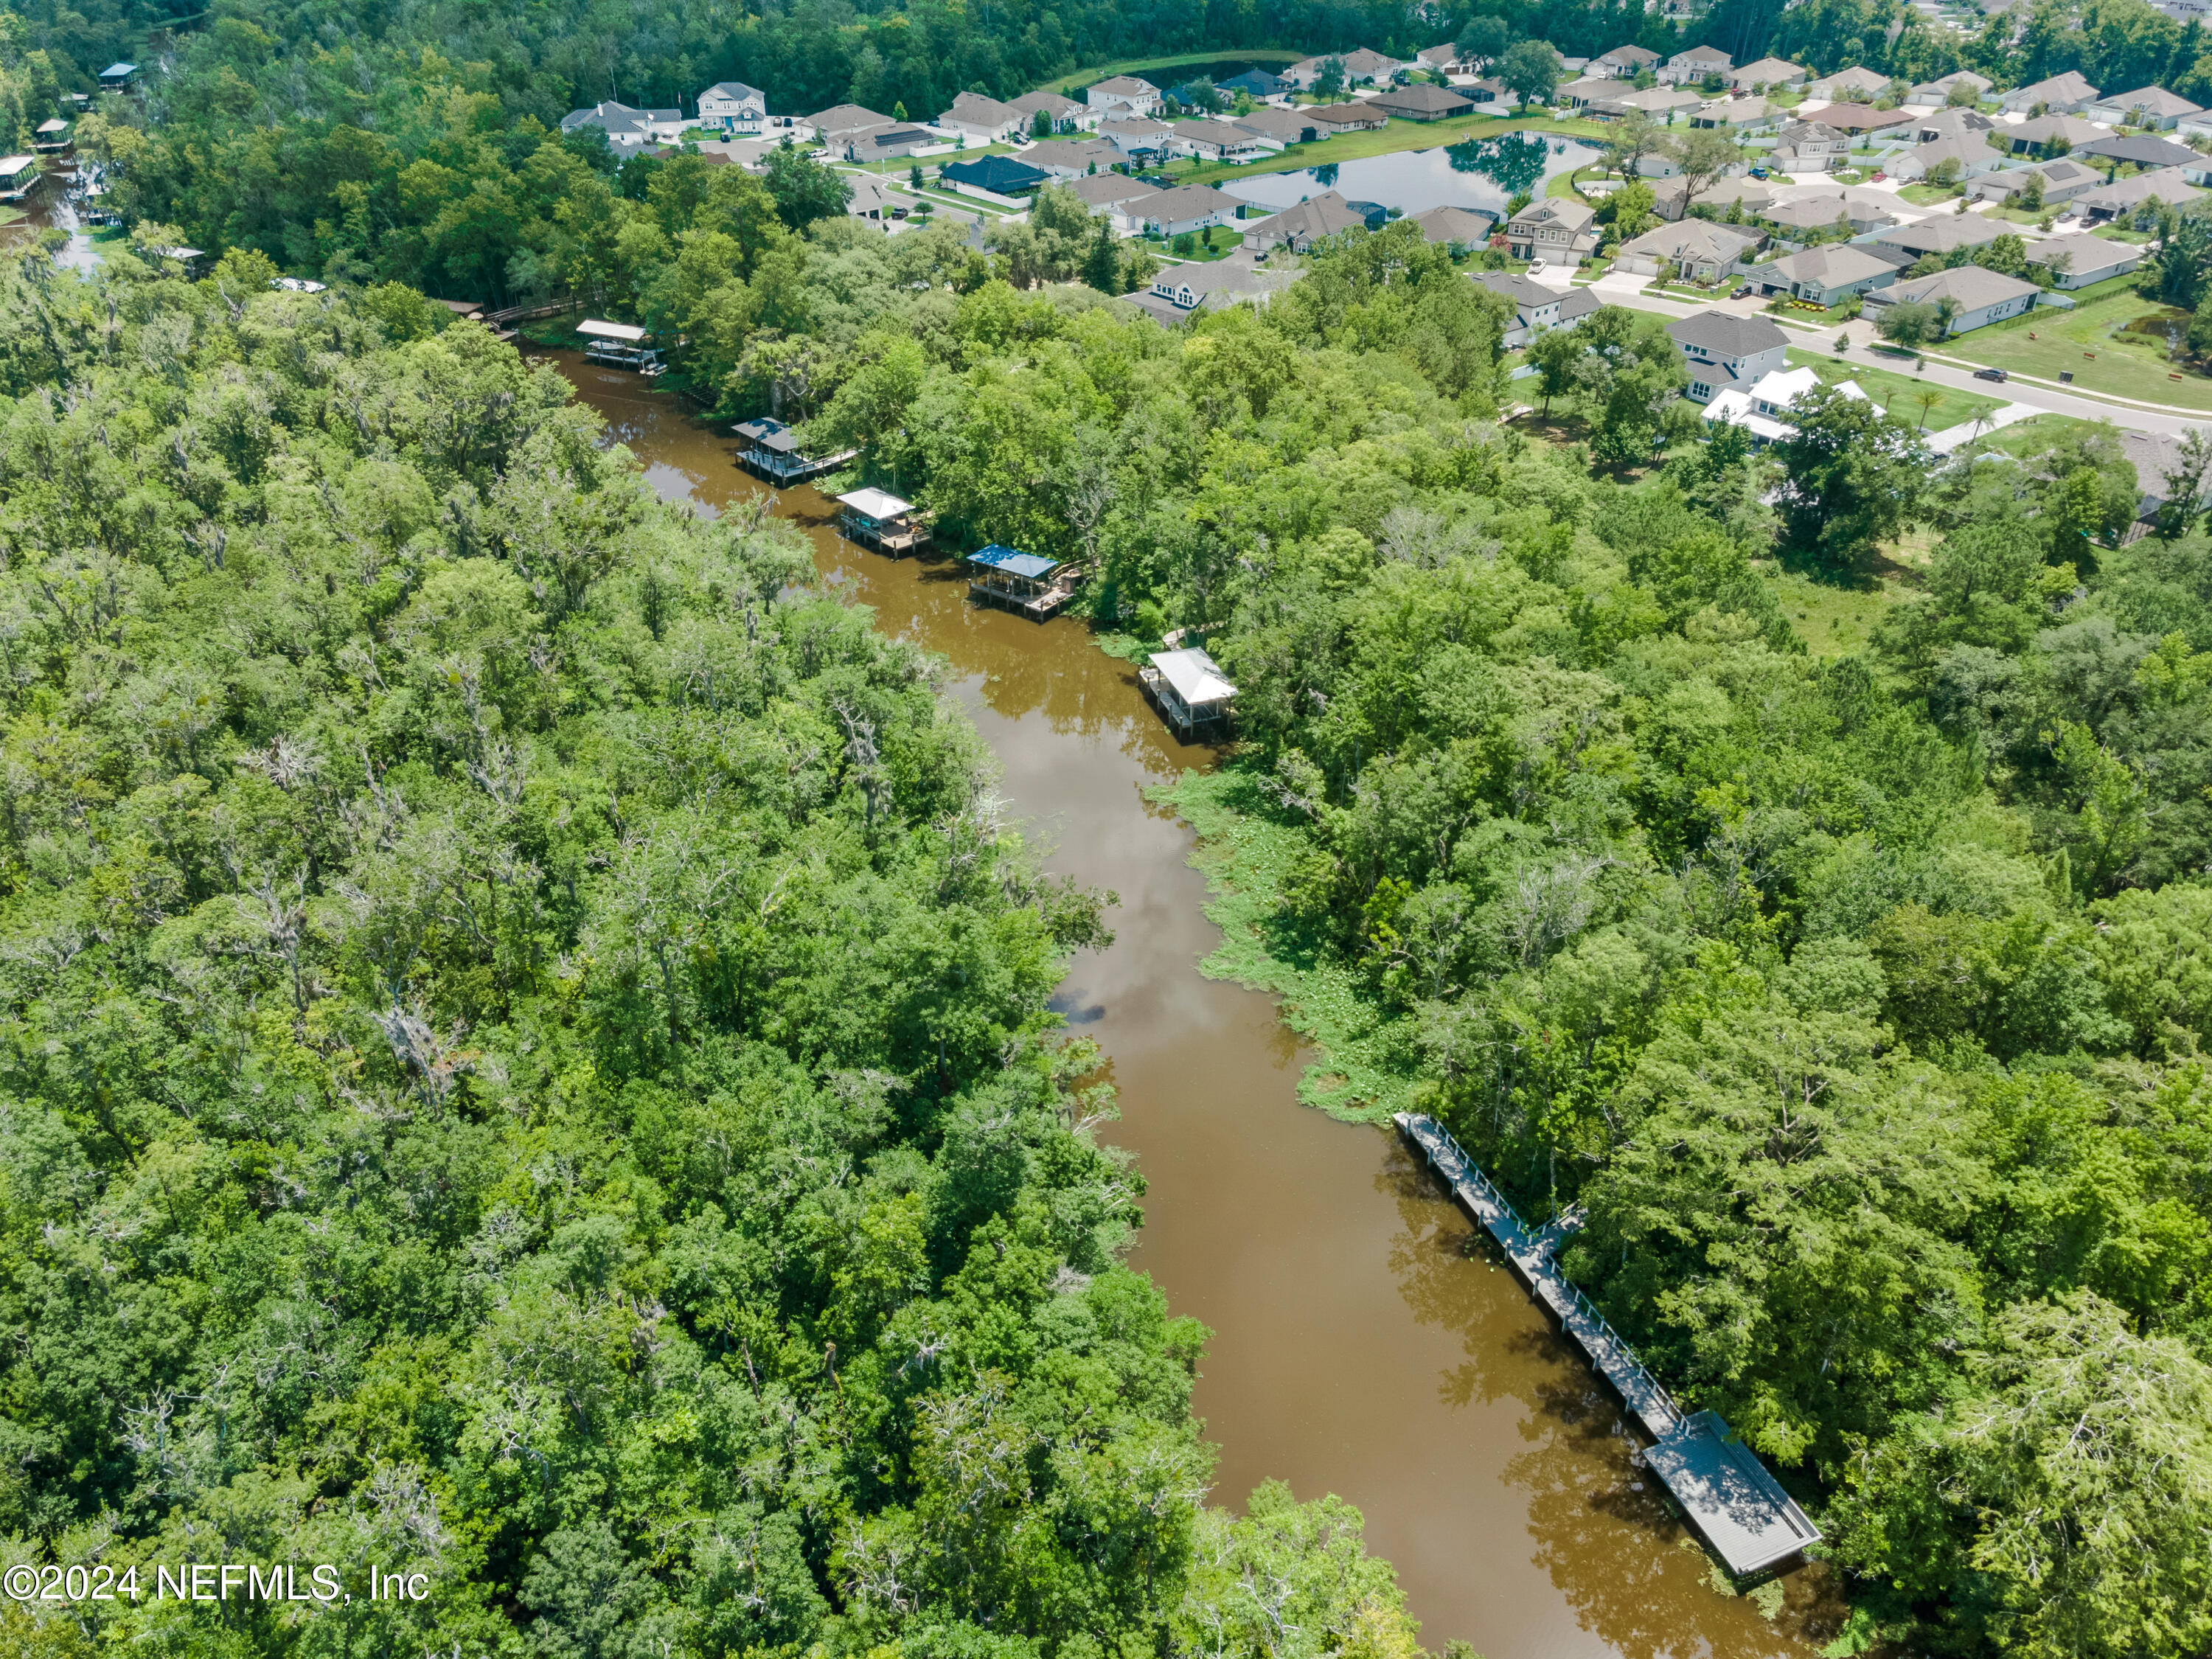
pixel 1730 1497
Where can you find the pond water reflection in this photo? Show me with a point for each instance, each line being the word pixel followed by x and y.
pixel 1477 173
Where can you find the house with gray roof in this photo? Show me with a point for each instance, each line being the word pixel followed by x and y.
pixel 2062 180
pixel 1848 85
pixel 1825 275
pixel 1981 295
pixel 1123 94
pixel 1455 226
pixel 1695 65
pixel 1944 233
pixel 1188 207
pixel 2078 260
pixel 1181 292
pixel 1726 353
pixel 1535 307
pixel 627 128
pixel 1314 219
pixel 1071 158
pixel 2129 196
pixel 1768 72
pixel 1064 114
pixel 2041 131
pixel 2059 94
pixel 1702 250
pixel 2146 107
pixel 734 109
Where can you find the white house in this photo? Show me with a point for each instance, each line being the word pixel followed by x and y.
pixel 1763 410
pixel 1626 63
pixel 1852 85
pixel 1212 141
pixel 737 110
pixel 2062 180
pixel 2146 107
pixel 1113 196
pixel 1179 290
pixel 1768 72
pixel 2102 202
pixel 974 116
pixel 1939 90
pixel 1702 251
pixel 1810 147
pixel 1981 296
pixel 832 126
pixel 2062 94
pixel 1071 158
pixel 1695 65
pixel 627 128
pixel 2078 261
pixel 1131 133
pixel 1064 114
pixel 1190 207
pixel 1535 307
pixel 1725 353
pixel 1361 68
pixel 1971 156
pixel 1124 94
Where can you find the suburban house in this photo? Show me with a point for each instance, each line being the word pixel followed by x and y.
pixel 994 175
pixel 1848 85
pixel 1626 63
pixel 1969 157
pixel 1863 118
pixel 1212 141
pixel 1314 219
pixel 1768 72
pixel 1443 59
pixel 2077 261
pixel 1455 226
pixel 2062 180
pixel 974 116
pixel 1725 353
pixel 1738 115
pixel 1939 91
pixel 1488 91
pixel 1113 196
pixel 1657 102
pixel 2141 150
pixel 2044 130
pixel 1535 307
pixel 1552 228
pixel 1123 94
pixel 2062 94
pixel 1361 67
pixel 833 126
pixel 1071 158
pixel 1761 409
pixel 627 128
pixel 1284 126
pixel 2146 107
pixel 1946 233
pixel 2157 460
pixel 1695 65
pixel 1179 291
pixel 873 200
pixel 1588 89
pixel 1189 207
pixel 1134 135
pixel 1702 250
pixel 1859 211
pixel 1981 296
pixel 1064 114
pixel 1823 276
pixel 1422 102
pixel 734 109
pixel 1753 196
pixel 894 142
pixel 1951 123
pixel 2103 202
pixel 1348 117
pixel 1814 147
pixel 1258 85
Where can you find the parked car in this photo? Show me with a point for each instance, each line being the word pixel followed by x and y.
pixel 1989 374
pixel 1759 173
pixel 1534 265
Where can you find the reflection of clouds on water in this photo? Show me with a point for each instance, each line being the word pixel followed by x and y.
pixel 1613 1550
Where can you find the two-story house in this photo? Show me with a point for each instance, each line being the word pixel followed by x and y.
pixel 1535 307
pixel 1812 147
pixel 738 110
pixel 1728 354
pixel 1555 228
pixel 1122 95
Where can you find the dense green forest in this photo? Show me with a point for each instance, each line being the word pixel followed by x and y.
pixel 526 1054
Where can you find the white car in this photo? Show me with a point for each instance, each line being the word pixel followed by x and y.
pixel 1534 265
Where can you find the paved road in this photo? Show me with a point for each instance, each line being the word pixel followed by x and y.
pixel 1621 289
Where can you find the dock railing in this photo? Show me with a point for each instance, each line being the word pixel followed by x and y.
pixel 1622 1357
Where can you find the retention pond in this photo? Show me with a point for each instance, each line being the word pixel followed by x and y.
pixel 1363 1343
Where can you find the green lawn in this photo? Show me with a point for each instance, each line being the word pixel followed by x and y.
pixel 1900 394
pixel 1833 621
pixel 1926 195
pixel 2035 435
pixel 1224 240
pixel 2087 341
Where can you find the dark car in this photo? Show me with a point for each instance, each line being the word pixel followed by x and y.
pixel 1989 374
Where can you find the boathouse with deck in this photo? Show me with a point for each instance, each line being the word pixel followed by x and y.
pixel 769 449
pixel 614 345
pixel 19 177
pixel 1189 689
pixel 1027 583
pixel 878 519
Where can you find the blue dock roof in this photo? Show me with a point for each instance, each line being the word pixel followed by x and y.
pixel 1013 562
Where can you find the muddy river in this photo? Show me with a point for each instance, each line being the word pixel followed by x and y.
pixel 1361 1344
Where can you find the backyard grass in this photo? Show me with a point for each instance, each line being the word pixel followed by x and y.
pixel 1833 621
pixel 1900 394
pixel 1398 135
pixel 1224 240
pixel 2036 435
pixel 2087 341
pixel 1926 195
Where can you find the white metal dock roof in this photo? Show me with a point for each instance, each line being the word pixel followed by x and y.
pixel 1196 677
pixel 876 503
pixel 598 330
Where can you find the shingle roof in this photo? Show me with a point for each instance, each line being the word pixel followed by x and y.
pixel 1944 233
pixel 2157 99
pixel 1831 266
pixel 2143 150
pixel 1731 336
pixel 1971 286
pixel 2086 252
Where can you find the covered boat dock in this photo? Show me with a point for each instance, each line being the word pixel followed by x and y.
pixel 1027 583
pixel 614 345
pixel 770 450
pixel 1189 688
pixel 878 519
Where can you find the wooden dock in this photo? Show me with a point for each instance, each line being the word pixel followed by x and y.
pixel 1038 601
pixel 1729 1495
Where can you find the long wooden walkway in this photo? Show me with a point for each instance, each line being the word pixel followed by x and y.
pixel 1728 1493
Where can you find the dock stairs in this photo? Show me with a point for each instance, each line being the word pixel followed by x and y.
pixel 1730 1496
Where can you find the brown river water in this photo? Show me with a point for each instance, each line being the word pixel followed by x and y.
pixel 1362 1344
